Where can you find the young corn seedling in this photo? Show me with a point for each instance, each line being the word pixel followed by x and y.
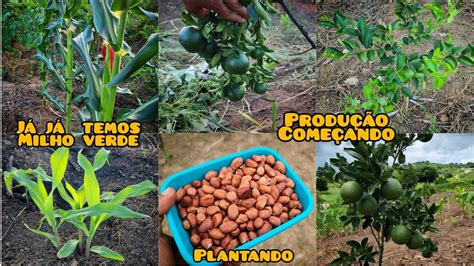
pixel 43 199
pixel 89 208
pixel 402 72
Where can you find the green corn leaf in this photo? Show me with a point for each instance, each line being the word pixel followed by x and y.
pixel 91 185
pixel 100 159
pixel 77 222
pixel 124 5
pixel 8 179
pixel 148 51
pixel 81 195
pixel 40 188
pixel 53 99
pixel 93 90
pixel 148 14
pixel 49 65
pixel 133 191
pixel 104 21
pixel 145 112
pixel 58 161
pixel 73 6
pixel 67 249
pixel 107 253
pixel 49 236
pixel 48 211
pixel 109 209
pixel 74 195
pixel 24 180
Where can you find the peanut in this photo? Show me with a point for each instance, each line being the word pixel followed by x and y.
pixel 216 234
pixel 210 175
pixel 195 239
pixel 205 226
pixel 228 226
pixel 237 204
pixel 233 212
pixel 236 163
pixel 208 189
pixel 207 200
pixel 206 243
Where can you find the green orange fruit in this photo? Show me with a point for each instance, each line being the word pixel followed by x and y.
pixel 192 39
pixel 351 192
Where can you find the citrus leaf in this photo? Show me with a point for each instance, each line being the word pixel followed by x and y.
pixel 148 51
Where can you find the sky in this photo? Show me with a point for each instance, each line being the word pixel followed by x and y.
pixel 443 148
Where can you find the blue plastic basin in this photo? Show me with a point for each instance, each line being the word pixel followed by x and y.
pixel 181 236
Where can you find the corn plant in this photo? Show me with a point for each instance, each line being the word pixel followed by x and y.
pixel 465 199
pixel 97 102
pixel 401 72
pixel 110 20
pixel 89 208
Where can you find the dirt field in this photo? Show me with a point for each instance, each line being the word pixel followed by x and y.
pixel 181 151
pixel 455 243
pixel 449 110
pixel 134 238
pixel 294 85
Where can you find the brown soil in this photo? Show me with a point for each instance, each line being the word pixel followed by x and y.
pixel 455 242
pixel 135 239
pixel 448 110
pixel 294 85
pixel 181 151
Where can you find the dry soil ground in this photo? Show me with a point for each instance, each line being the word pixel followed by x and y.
pixel 181 151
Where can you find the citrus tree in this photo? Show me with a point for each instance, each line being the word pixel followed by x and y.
pixel 401 70
pixel 238 48
pixel 377 201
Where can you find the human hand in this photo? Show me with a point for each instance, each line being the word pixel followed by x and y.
pixel 168 253
pixel 229 9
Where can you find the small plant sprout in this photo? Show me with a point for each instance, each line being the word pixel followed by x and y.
pixel 89 207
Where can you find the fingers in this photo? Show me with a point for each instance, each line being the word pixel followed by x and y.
pixel 237 7
pixel 228 13
pixel 167 200
pixel 201 13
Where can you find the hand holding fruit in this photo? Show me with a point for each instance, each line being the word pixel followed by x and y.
pixel 231 10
